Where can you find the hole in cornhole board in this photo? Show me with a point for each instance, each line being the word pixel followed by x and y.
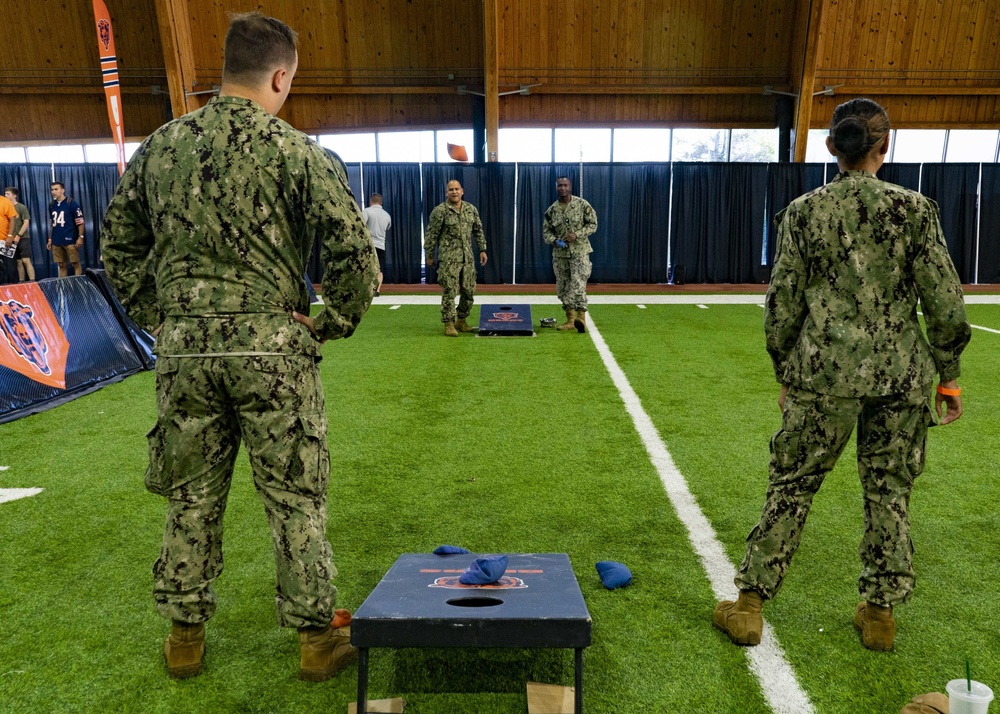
pixel 475 601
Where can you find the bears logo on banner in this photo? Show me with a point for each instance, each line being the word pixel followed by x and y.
pixel 33 343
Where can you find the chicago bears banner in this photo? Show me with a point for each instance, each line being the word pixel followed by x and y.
pixel 59 339
pixel 109 70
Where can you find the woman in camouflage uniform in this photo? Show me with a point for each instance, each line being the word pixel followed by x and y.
pixel 853 260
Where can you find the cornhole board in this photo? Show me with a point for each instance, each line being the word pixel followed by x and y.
pixel 505 321
pixel 420 603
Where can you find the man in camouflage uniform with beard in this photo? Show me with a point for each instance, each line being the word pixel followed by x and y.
pixel 452 227
pixel 853 260
pixel 567 227
pixel 206 243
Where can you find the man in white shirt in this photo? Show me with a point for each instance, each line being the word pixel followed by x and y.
pixel 378 223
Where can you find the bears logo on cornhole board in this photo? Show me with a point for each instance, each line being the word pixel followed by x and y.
pixel 33 342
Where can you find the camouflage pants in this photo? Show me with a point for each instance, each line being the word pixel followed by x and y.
pixel 205 405
pixel 455 279
pixel 892 433
pixel 571 280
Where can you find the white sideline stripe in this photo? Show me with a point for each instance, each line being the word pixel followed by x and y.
pixel 977 327
pixel 660 299
pixel 987 329
pixel 12 494
pixel 767 660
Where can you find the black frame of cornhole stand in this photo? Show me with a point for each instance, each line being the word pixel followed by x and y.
pixel 541 618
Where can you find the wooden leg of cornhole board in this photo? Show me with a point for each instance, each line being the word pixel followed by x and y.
pixel 579 681
pixel 362 680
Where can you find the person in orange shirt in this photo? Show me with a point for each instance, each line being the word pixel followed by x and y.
pixel 8 268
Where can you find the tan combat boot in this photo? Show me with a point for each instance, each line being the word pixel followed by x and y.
pixel 184 649
pixel 741 620
pixel 570 318
pixel 462 326
pixel 876 625
pixel 449 329
pixel 932 703
pixel 326 649
pixel 580 323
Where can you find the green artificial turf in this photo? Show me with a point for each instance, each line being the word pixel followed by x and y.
pixel 716 408
pixel 499 445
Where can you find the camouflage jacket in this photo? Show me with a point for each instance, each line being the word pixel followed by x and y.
pixel 577 217
pixel 212 225
pixel 450 230
pixel 853 259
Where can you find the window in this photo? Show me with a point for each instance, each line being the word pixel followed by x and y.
pixel 411 146
pixel 573 145
pixel 642 145
pixel 12 155
pixel 350 147
pixel 68 154
pixel 918 146
pixel 754 145
pixel 106 154
pixel 701 144
pixel 459 137
pixel 972 145
pixel 816 151
pixel 525 144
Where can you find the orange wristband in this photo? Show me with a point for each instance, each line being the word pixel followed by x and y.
pixel 949 392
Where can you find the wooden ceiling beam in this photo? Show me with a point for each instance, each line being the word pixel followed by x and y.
pixel 491 79
pixel 803 70
pixel 178 53
pixel 923 90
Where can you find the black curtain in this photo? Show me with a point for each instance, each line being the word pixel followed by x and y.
pixel 955 187
pixel 905 175
pixel 989 225
pixel 718 221
pixel 90 185
pixel 490 188
pixel 785 183
pixel 637 225
pixel 399 184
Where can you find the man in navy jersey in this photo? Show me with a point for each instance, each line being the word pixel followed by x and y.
pixel 65 230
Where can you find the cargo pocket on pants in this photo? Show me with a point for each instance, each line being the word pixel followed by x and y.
pixel 157 472
pixel 314 454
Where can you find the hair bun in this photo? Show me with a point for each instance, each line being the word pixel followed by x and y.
pixel 850 137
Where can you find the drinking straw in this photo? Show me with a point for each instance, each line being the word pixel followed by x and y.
pixel 968 675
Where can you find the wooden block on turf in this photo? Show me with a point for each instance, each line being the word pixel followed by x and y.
pixel 550 699
pixel 380 706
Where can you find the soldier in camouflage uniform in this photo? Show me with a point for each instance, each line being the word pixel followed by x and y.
pixel 853 260
pixel 452 226
pixel 206 242
pixel 567 227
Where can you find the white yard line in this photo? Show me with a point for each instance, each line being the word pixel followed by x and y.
pixel 12 494
pixel 661 299
pixel 975 327
pixel 987 329
pixel 767 660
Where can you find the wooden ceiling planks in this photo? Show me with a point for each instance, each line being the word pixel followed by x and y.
pixel 386 63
